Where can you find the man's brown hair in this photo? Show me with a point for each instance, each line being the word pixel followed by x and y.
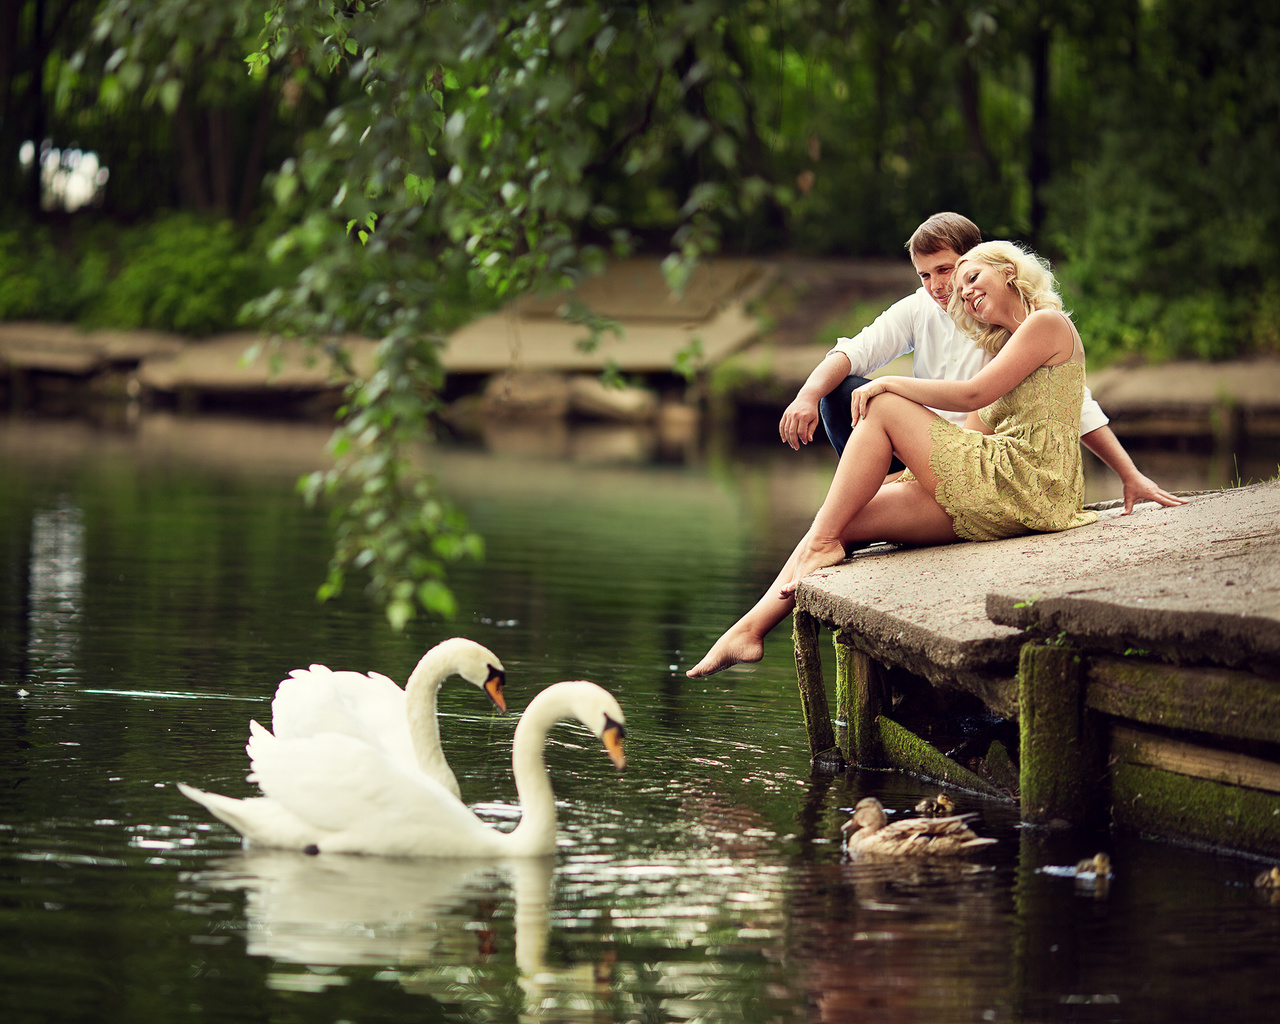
pixel 944 231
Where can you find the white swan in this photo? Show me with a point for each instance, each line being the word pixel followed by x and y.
pixel 332 793
pixel 400 723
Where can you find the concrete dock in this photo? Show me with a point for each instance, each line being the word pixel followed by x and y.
pixel 1163 633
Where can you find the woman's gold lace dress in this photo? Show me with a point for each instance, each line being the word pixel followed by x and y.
pixel 1026 476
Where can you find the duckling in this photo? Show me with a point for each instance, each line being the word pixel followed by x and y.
pixel 1099 865
pixel 1269 879
pixel 940 806
pixel 871 832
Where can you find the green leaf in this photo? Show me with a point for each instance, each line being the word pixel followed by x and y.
pixel 170 95
pixel 437 599
pixel 399 612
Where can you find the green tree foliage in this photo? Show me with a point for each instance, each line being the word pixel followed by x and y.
pixel 157 88
pixel 435 158
pixel 35 37
pixel 33 278
pixel 901 109
pixel 1169 221
pixel 183 271
pixel 515 144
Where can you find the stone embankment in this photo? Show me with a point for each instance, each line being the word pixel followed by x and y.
pixel 745 334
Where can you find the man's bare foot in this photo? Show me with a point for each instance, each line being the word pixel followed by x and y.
pixel 813 555
pixel 738 645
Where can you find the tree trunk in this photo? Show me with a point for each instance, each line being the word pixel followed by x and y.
pixel 191 181
pixel 221 158
pixel 253 161
pixel 29 185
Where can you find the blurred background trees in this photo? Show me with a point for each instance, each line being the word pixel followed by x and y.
pixel 1132 141
pixel 392 167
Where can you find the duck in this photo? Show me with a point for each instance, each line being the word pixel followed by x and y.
pixel 1269 879
pixel 334 793
pixel 1098 866
pixel 940 806
pixel 373 708
pixel 871 832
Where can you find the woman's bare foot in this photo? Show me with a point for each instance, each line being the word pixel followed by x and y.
pixel 813 554
pixel 736 646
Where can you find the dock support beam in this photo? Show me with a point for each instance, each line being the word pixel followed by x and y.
pixel 861 697
pixel 1050 712
pixel 813 692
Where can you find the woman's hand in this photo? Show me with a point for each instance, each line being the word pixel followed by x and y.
pixel 862 396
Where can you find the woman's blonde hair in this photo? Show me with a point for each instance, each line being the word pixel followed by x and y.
pixel 1025 272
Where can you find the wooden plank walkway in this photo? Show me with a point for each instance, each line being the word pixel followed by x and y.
pixel 1140 657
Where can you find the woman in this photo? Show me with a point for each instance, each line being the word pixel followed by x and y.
pixel 1013 469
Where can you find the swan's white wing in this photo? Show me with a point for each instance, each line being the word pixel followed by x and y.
pixel 364 801
pixel 332 779
pixel 369 707
pixel 260 820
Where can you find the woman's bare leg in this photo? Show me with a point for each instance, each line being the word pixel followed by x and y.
pixel 744 640
pixel 904 512
pixel 856 508
pixel 892 424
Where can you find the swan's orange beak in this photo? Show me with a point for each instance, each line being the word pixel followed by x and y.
pixel 493 687
pixel 612 740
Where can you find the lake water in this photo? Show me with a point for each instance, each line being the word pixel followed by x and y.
pixel 158 583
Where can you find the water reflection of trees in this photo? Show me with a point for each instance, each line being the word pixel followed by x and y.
pixel 55 590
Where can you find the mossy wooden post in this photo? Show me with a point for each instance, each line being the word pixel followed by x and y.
pixel 813 692
pixel 844 692
pixel 1050 712
pixel 860 699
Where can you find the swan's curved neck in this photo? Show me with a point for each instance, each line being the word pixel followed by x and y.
pixel 421 690
pixel 536 832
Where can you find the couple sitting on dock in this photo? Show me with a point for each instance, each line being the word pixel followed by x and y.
pixel 1005 458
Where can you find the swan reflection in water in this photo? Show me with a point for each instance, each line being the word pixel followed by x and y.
pixel 437 926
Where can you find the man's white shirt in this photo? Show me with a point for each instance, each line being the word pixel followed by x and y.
pixel 917 324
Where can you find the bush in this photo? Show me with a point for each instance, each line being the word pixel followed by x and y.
pixel 1155 328
pixel 36 282
pixel 182 273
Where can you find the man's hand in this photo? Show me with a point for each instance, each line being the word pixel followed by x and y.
pixel 799 421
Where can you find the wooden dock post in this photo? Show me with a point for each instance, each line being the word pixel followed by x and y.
pixel 844 695
pixel 813 692
pixel 1050 713
pixel 860 699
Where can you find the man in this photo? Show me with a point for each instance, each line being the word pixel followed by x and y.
pixel 920 324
